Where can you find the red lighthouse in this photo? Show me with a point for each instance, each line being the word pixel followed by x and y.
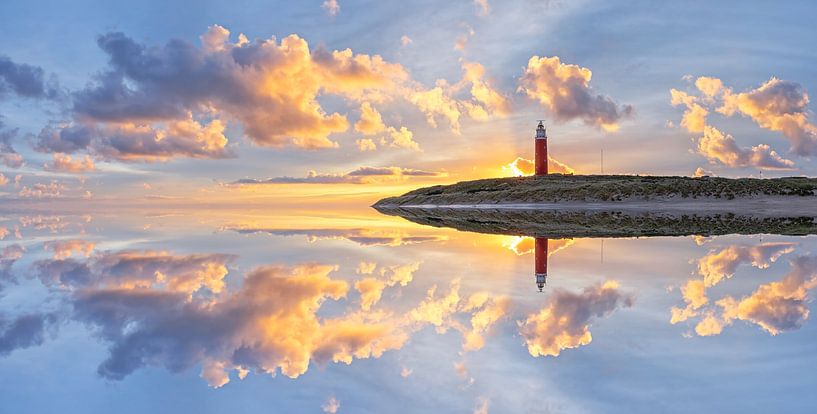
pixel 541 150
pixel 541 260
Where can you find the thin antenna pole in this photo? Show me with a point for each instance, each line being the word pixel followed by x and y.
pixel 602 161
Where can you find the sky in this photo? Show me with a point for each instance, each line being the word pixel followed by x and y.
pixel 225 102
pixel 185 191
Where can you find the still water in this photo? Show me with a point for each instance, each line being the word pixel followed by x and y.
pixel 247 311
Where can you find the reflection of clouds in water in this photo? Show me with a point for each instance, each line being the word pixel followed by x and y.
pixel 371 288
pixel 364 237
pixel 722 264
pixel 775 307
pixel 565 321
pixel 8 256
pixel 716 266
pixel 137 269
pixel 64 249
pixel 156 308
pixel 24 331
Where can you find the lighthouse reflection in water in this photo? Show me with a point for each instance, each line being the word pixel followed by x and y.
pixel 541 262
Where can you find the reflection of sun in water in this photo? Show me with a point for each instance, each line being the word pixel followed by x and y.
pixel 522 245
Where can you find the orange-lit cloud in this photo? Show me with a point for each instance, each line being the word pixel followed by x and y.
pixel 564 322
pixel 370 122
pixel 138 141
pixel 366 144
pixel 777 306
pixel 718 265
pixel 700 172
pixel 8 256
pixel 717 147
pixel 52 189
pixel 694 119
pixel 522 245
pixel 185 274
pixel 565 90
pixel 524 166
pixel 64 249
pixel 777 105
pixel 440 102
pixel 65 163
pixel 371 288
pixel 268 325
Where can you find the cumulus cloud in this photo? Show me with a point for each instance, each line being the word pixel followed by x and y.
pixel 565 90
pixel 491 100
pixel 366 144
pixel 717 147
pixel 361 175
pixel 364 237
pixel 483 8
pixel 441 102
pixel 777 306
pixel 694 119
pixel 332 8
pixel 402 138
pixel 700 172
pixel 331 406
pixel 139 142
pixel 524 166
pixel 8 256
pixel 405 41
pixel 24 331
pixel 65 163
pixel 371 288
pixel 269 87
pixel 564 322
pixel 370 122
pixel 52 189
pixel 25 80
pixel 269 325
pixel 154 103
pixel 64 249
pixel 8 156
pixel 184 274
pixel 721 264
pixel 777 105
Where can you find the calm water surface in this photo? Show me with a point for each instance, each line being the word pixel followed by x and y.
pixel 246 311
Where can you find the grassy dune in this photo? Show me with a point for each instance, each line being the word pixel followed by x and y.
pixel 598 188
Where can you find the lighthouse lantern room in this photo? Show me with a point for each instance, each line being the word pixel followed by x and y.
pixel 541 164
